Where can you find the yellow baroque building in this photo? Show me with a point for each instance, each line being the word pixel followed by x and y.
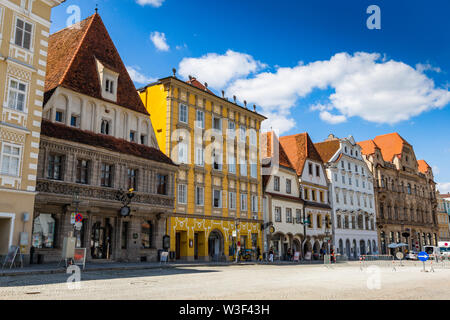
pixel 218 188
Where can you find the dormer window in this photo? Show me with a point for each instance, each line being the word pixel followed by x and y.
pixel 108 80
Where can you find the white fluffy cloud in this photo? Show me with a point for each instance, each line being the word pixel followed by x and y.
pixel 159 40
pixel 364 86
pixel 218 70
pixel 153 3
pixel 138 77
pixel 444 187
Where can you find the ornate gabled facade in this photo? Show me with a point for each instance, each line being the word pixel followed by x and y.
pixel 97 142
pixel 352 197
pixel 283 204
pixel 444 216
pixel 24 32
pixel 404 193
pixel 314 190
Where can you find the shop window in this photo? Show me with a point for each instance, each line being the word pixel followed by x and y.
pixel 44 231
pixel 146 234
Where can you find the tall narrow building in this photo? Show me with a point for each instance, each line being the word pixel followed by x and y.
pixel 97 143
pixel 218 186
pixel 24 32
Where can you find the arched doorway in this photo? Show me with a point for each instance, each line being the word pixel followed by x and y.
pixel 296 245
pixel 307 247
pixel 374 247
pixel 215 245
pixel 316 250
pixel 355 249
pixel 362 247
pixel 369 247
pixel 347 249
pixel 341 247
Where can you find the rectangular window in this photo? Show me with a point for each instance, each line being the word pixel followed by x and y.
pixel 253 170
pixel 321 197
pixel 254 204
pixel 59 116
pixel 183 152
pixel 10 160
pixel 143 139
pixel 146 232
pixel 276 183
pixel 288 215
pixel 199 156
pixel 183 116
pixel 231 164
pixel 253 139
pixel 161 184
pixel 288 186
pixel 306 194
pixel 242 133
pixel 298 216
pixel 243 202
pixel 199 196
pixel 132 136
pixel 106 175
pixel 200 123
pixel 217 160
pixel 124 235
pixel 217 123
pixel 17 95
pixel 313 193
pixel 182 196
pixel 243 168
pixel 75 121
pixel 277 214
pixel 82 171
pixel 233 200
pixel 310 168
pixel 55 167
pixel 23 34
pixel 317 171
pixel 217 198
pixel 132 179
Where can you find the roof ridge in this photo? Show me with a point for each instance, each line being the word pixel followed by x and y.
pixel 78 47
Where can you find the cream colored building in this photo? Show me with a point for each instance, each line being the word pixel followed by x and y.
pixel 24 32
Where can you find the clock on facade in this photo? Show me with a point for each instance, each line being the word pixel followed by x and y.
pixel 125 211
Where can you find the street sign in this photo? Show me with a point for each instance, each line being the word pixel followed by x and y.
pixel 78 217
pixel 72 218
pixel 423 256
pixel 78 225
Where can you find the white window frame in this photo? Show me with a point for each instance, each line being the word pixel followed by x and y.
pixel 232 200
pixel 253 138
pixel 23 35
pixel 183 152
pixel 220 123
pixel 200 156
pixel 183 113
pixel 244 206
pixel 17 91
pixel 242 133
pixel 182 193
pixel 200 123
pixel 255 204
pixel 220 198
pixel 197 202
pixel 19 157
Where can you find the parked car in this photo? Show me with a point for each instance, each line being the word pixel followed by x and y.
pixel 411 255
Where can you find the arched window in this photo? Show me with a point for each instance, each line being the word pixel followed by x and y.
pixel 409 188
pixel 105 127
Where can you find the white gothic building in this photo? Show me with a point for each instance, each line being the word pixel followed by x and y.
pixel 351 196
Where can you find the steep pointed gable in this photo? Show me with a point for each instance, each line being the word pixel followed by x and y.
pixel 72 63
pixel 391 145
pixel 283 159
pixel 299 148
pixel 424 167
pixel 368 147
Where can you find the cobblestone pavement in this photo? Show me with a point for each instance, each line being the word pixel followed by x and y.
pixel 252 282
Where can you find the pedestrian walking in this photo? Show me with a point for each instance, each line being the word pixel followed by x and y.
pixel 271 255
pixel 258 253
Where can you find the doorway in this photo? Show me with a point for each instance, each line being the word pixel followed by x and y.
pixel 6 228
pixel 215 245
pixel 178 245
pixel 196 246
pixel 101 240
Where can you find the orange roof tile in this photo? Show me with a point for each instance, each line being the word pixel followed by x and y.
pixel 71 63
pixel 391 145
pixel 299 148
pixel 368 147
pixel 283 159
pixel 423 166
pixel 327 149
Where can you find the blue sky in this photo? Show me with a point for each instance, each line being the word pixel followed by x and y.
pixel 309 65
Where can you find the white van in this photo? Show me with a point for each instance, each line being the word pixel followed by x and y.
pixel 432 251
pixel 444 247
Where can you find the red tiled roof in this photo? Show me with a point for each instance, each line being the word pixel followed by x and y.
pixel 368 147
pixel 71 63
pixel 298 148
pixel 60 131
pixel 327 149
pixel 193 81
pixel 391 145
pixel 424 167
pixel 282 156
